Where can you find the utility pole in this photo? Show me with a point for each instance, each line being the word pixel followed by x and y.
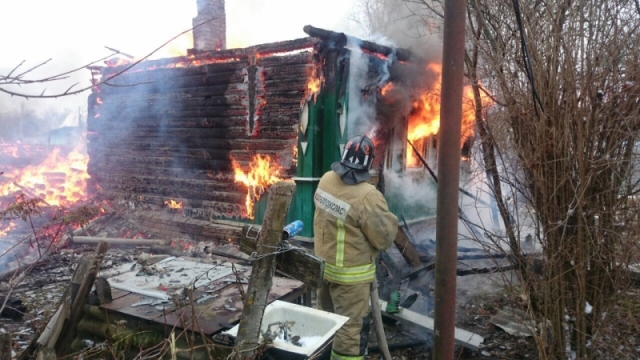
pixel 449 174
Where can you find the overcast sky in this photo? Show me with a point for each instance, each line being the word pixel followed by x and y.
pixel 74 32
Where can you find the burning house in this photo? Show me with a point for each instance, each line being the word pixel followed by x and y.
pixel 202 137
pixel 210 131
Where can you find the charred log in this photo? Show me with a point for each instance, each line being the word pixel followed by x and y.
pixel 340 40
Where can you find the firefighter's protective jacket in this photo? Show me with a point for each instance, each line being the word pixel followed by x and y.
pixel 351 224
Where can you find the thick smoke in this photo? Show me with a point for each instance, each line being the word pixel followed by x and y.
pixel 396 24
pixel 362 108
pixel 410 190
pixel 402 24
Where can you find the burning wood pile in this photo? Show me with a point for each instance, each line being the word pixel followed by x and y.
pixel 38 186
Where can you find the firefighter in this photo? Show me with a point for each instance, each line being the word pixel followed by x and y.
pixel 352 223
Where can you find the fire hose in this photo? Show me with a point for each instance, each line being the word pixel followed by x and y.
pixel 377 320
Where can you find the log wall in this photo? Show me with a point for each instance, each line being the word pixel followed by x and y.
pixel 169 129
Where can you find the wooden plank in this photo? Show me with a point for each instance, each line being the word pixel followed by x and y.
pixel 5 346
pixel 176 154
pixel 295 262
pixel 168 192
pixel 76 297
pixel 249 145
pixel 463 337
pixel 406 248
pixel 263 269
pixel 270 131
pixel 46 354
pixel 118 241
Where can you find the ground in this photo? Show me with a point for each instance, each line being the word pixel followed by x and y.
pixel 479 298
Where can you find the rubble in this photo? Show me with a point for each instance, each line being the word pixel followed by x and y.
pixel 513 322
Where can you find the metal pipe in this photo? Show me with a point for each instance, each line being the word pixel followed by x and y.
pixel 449 174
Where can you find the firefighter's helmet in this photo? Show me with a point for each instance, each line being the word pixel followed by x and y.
pixel 358 153
pixel 357 159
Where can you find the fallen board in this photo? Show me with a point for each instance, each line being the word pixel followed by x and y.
pixel 463 337
pixel 170 274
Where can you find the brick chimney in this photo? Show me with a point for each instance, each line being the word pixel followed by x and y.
pixel 212 35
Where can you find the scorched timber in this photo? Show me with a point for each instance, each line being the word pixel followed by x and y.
pixel 202 185
pixel 166 67
pixel 177 131
pixel 157 121
pixel 283 86
pixel 209 154
pixel 151 70
pixel 204 194
pixel 221 155
pixel 131 164
pixel 250 146
pixel 201 110
pixel 270 131
pixel 105 163
pixel 286 72
pixel 154 119
pixel 158 105
pixel 262 49
pixel 144 94
pixel 213 209
pixel 146 170
pixel 171 84
pixel 341 40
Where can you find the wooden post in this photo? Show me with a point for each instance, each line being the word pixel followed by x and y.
pixel 5 346
pixel 406 248
pixel 46 354
pixel 263 269
pixel 296 262
pixel 75 298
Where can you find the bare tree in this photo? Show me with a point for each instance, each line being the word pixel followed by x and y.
pixel 570 104
pixel 19 77
pixel 561 146
pixel 375 16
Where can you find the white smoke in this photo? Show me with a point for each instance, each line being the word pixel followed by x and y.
pixel 362 111
pixel 414 189
pixel 362 89
pixel 403 24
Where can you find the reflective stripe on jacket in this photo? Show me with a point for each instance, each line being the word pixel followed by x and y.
pixel 351 224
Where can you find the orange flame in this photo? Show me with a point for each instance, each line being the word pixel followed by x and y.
pixel 8 150
pixel 314 84
pixel 295 153
pixel 385 89
pixel 262 173
pixel 58 180
pixel 119 61
pixel 424 119
pixel 172 204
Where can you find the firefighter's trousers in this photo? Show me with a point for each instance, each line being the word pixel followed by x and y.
pixel 350 342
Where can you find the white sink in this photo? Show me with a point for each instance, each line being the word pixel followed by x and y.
pixel 315 327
